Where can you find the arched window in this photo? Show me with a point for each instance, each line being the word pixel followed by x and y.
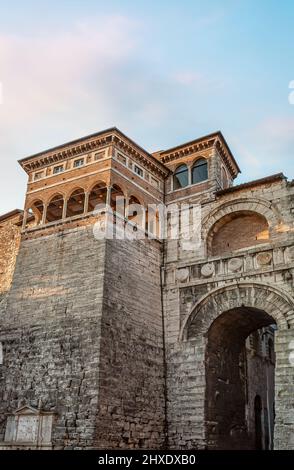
pixel 199 171
pixel 97 196
pixel 117 200
pixel 153 221
pixel 55 208
pixel 135 211
pixel 35 212
pixel 76 203
pixel 181 177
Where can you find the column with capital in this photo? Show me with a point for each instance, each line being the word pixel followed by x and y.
pixel 43 220
pixel 108 196
pixel 189 175
pixel 64 210
pixel 24 220
pixel 86 202
pixel 144 218
pixel 127 202
pixel 109 219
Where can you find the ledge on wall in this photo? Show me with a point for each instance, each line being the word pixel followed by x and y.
pixel 251 184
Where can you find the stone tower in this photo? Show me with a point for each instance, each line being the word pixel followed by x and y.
pixel 82 332
pixel 147 342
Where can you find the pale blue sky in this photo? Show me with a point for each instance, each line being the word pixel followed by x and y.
pixel 162 71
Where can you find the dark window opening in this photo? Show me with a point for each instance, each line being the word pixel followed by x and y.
pixel 199 171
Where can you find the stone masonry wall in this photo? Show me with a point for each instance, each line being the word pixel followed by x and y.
pixel 82 338
pixel 131 377
pixel 50 334
pixel 191 275
pixel 9 244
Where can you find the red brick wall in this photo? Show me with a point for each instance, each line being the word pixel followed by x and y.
pixel 239 232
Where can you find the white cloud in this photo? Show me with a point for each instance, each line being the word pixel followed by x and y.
pixel 198 81
pixel 57 87
pixel 266 148
pixel 278 128
pixel 45 73
pixel 188 78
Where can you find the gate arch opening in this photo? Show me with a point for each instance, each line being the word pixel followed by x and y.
pixel 238 369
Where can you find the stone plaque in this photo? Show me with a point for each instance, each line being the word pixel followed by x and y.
pixel 27 428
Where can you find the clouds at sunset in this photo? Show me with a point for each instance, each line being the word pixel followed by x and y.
pixel 162 73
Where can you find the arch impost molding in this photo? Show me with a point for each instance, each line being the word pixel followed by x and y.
pixel 274 301
pixel 259 205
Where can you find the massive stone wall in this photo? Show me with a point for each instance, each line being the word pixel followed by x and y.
pixel 50 333
pixel 131 384
pixel 260 382
pixel 82 339
pixel 9 244
pixel 192 277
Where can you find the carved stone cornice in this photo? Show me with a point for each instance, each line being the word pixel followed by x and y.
pixel 91 143
pixel 215 140
pixel 150 163
pixel 227 158
pixel 62 153
pixel 186 150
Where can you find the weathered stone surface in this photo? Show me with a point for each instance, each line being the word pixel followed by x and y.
pixel 145 344
pixel 72 340
pixel 9 244
pixel 260 277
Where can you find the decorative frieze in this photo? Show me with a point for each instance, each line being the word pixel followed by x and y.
pixel 248 263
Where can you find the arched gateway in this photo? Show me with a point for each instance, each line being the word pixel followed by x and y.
pixel 224 319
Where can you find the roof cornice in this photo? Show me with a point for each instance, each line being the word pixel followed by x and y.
pixel 11 214
pixel 215 139
pixel 91 143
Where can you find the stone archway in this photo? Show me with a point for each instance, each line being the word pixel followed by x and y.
pixel 217 328
pixel 230 383
pixel 276 302
pixel 249 206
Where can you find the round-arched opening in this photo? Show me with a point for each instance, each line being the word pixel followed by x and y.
pixel 55 208
pixel 117 200
pixel 199 171
pixel 180 177
pixel 237 231
pixel 135 211
pixel 76 203
pixel 97 196
pixel 238 368
pixel 153 221
pixel 36 212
